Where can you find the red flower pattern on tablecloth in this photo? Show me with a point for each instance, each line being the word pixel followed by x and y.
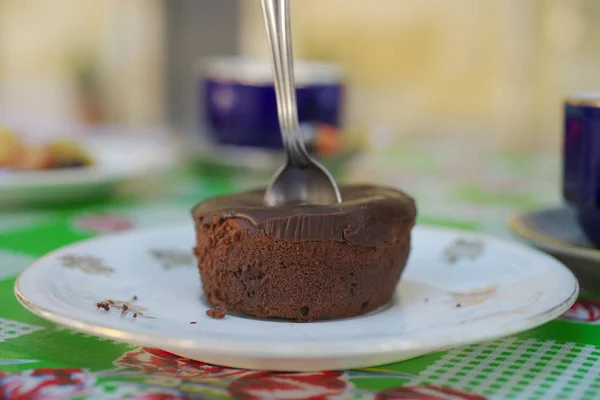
pixel 66 383
pixel 45 384
pixel 304 385
pixel 103 223
pixel 426 393
pixel 243 384
pixel 156 396
pixel 162 363
pixel 584 311
pixel 48 383
pixel 257 385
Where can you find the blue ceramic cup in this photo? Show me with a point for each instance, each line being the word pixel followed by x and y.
pixel 238 105
pixel 581 161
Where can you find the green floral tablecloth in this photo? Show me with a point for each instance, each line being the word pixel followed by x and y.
pixel 39 360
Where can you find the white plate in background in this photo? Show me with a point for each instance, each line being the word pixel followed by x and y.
pixel 118 158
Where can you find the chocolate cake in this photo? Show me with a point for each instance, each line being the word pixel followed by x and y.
pixel 304 262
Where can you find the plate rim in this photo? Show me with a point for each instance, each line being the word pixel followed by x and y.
pixel 308 350
pixel 517 225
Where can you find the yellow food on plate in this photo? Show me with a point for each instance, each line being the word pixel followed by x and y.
pixel 18 155
pixel 11 149
pixel 68 153
pixel 34 158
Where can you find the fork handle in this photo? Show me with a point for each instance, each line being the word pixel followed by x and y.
pixel 276 14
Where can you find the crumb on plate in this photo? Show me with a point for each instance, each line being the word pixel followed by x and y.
pixel 217 312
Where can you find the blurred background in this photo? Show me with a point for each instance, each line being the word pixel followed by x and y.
pixel 492 72
pixel 460 103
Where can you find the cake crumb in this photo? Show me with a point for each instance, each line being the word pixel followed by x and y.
pixel 458 305
pixel 193 322
pixel 103 305
pixel 134 315
pixel 218 312
pixel 124 309
pixel 134 298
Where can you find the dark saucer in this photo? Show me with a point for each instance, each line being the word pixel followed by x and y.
pixel 557 232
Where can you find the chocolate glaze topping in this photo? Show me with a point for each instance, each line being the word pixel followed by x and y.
pixel 364 218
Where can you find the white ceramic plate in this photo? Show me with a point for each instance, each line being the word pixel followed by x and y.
pixel 458 288
pixel 117 159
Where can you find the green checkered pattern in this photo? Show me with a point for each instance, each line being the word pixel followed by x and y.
pixel 520 368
